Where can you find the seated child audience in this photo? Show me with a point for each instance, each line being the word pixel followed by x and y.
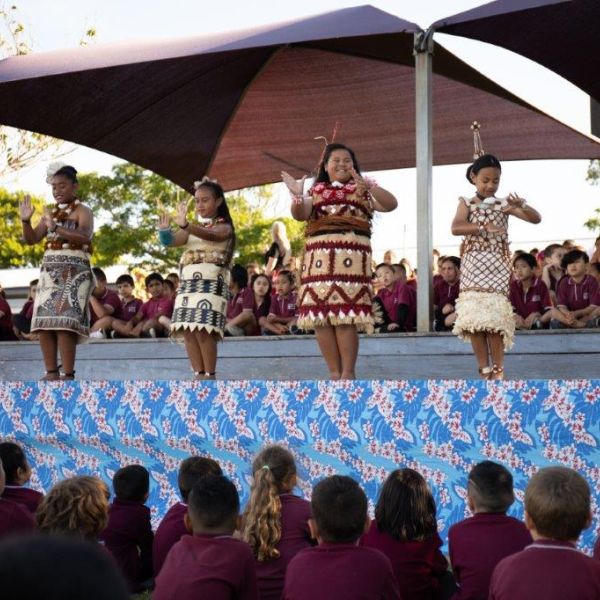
pixel 77 507
pixel 130 305
pixel 553 272
pixel 445 293
pixel 105 305
pixel 338 567
pixel 557 510
pixel 146 323
pixel 395 301
pixel 275 522
pixel 480 542
pixel 58 568
pixel 18 473
pixel 174 279
pixel 405 530
pixel 529 295
pixel 211 563
pixel 283 312
pixel 575 294
pixel 6 320
pixel 261 291
pixel 128 535
pixel 170 291
pixel 22 321
pixel 240 307
pixel 173 527
pixel 14 518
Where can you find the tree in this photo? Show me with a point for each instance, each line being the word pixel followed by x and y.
pixel 593 177
pixel 20 148
pixel 14 252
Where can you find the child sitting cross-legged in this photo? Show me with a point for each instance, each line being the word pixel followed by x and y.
pixel 557 510
pixel 283 311
pixel 395 300
pixel 338 568
pixel 480 542
pixel 211 563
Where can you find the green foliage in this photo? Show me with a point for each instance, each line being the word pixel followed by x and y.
pixel 14 252
pixel 593 177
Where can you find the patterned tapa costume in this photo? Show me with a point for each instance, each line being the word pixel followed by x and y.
pixel 203 291
pixel 336 267
pixel 65 284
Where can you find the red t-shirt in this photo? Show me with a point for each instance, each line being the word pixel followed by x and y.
pixel 535 300
pixel 445 293
pixel 109 298
pixel 243 300
pixel 284 306
pixel 575 296
pixel 157 307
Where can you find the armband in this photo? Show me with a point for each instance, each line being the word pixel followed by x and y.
pixel 165 236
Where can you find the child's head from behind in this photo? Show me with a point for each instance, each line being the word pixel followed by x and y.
pixel 213 506
pixel 284 282
pixel 490 488
pixel 385 274
pixel 77 506
pixel 557 504
pixel 154 285
pixel 132 483
pixel 406 508
pixel 16 468
pixel 101 282
pixel 450 269
pixel 524 265
pixel 339 508
pixel 575 263
pixel 273 473
pixel 337 164
pixel 484 174
pixel 125 285
pixel 553 255
pixel 194 468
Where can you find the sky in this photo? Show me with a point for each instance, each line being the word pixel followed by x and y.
pixel 556 188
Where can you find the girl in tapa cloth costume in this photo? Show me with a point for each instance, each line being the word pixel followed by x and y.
pixel 484 314
pixel 199 313
pixel 60 312
pixel 335 293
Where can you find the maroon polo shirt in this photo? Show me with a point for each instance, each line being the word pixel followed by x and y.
pixel 535 300
pixel 128 536
pixel 259 311
pixel 14 518
pixel 284 306
pixel 109 298
pixel 401 293
pixel 170 530
pixel 340 572
pixel 417 565
pixel 575 296
pixel 445 293
pixel 27 310
pixel 157 307
pixel 130 309
pixel 207 566
pixel 477 545
pixel 244 299
pixel 27 497
pixel 6 321
pixel 549 570
pixel 597 549
pixel 295 536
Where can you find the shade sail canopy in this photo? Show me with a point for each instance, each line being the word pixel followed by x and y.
pixel 562 35
pixel 242 106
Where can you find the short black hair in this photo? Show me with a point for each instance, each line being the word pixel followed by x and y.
pixel 67 171
pixel 453 259
pixel 192 469
pixel 213 501
pixel 288 275
pixel 239 276
pixel 33 282
pixel 99 273
pixel 131 483
pixel 483 162
pixel 153 277
pixel 490 487
pixel 526 258
pixel 13 458
pixel 400 267
pixel 573 256
pixel 339 508
pixel 386 265
pixel 551 249
pixel 121 279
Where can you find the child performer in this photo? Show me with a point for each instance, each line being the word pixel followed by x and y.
pixel 199 315
pixel 335 294
pixel 483 313
pixel 60 312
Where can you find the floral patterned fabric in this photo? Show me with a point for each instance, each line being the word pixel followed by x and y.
pixel 362 428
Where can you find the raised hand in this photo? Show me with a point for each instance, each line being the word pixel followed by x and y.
pixel 164 220
pixel 47 218
pixel 361 184
pixel 181 213
pixel 514 201
pixel 296 188
pixel 26 209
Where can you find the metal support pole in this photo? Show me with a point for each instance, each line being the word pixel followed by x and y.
pixel 423 51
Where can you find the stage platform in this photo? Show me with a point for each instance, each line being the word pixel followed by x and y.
pixel 361 428
pixel 541 354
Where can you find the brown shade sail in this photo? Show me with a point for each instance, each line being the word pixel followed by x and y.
pixel 243 106
pixel 562 35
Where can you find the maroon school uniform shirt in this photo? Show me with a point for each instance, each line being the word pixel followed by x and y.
pixel 295 536
pixel 575 296
pixel 401 293
pixel 207 566
pixel 109 298
pixel 548 570
pixel 27 497
pixel 445 293
pixel 284 306
pixel 130 309
pixel 170 530
pixel 156 307
pixel 535 300
pixel 6 324
pixel 259 311
pixel 340 572
pixel 27 310
pixel 128 536
pixel 597 549
pixel 244 299
pixel 477 545
pixel 14 518
pixel 417 565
